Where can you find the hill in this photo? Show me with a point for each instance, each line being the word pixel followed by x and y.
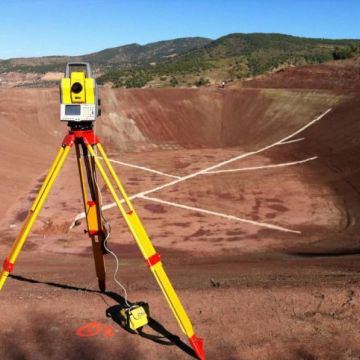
pixel 235 56
pixel 122 56
pixel 341 75
pixel 193 61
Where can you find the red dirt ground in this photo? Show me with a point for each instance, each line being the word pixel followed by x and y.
pixel 252 292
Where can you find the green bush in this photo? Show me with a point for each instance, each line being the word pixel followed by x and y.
pixel 201 82
pixel 174 82
pixel 346 52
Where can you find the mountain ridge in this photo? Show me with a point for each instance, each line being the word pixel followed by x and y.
pixel 195 61
pixel 151 52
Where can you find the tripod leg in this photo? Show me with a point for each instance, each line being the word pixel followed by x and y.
pixel 93 215
pixel 99 263
pixel 151 256
pixel 113 174
pixel 33 213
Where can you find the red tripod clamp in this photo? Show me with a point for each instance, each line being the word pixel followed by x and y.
pixel 88 136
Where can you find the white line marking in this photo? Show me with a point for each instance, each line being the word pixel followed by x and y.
pixel 190 176
pixel 184 178
pixel 143 168
pixel 263 167
pixel 230 217
pixel 291 141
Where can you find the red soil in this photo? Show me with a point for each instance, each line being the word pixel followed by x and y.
pixel 336 76
pixel 252 292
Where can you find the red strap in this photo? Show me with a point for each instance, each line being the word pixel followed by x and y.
pixel 93 232
pixel 8 266
pixel 91 203
pixel 154 259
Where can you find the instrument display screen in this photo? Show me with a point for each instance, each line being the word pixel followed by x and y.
pixel 72 110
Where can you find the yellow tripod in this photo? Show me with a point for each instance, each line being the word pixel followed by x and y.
pixel 85 143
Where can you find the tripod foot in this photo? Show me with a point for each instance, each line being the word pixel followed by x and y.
pixel 102 285
pixel 198 346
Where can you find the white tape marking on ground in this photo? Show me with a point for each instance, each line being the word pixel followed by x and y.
pixel 312 122
pixel 263 167
pixel 187 177
pixel 210 212
pixel 242 156
pixel 291 141
pixel 142 168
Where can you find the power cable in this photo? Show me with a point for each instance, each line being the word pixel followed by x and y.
pixel 108 229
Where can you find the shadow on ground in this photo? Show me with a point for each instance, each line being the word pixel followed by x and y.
pixel 161 335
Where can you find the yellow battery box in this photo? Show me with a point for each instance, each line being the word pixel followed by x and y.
pixel 135 317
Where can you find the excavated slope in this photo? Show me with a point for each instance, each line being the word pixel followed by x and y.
pixel 136 120
pixel 143 120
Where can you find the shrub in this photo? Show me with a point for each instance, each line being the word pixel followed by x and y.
pixel 202 82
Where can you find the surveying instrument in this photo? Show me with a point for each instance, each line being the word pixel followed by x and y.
pixel 80 106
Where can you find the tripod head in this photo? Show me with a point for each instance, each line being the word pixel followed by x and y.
pixel 79 97
pixel 80 125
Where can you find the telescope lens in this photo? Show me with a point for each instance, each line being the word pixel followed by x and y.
pixel 76 88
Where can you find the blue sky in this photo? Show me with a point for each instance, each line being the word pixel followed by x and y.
pixel 45 27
